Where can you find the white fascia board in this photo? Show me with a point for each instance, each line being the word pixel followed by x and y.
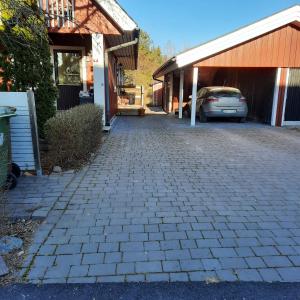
pixel 238 37
pixel 115 11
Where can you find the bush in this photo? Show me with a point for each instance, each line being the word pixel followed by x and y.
pixel 73 135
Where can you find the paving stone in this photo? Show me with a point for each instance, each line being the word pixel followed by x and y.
pixel 203 276
pixel 157 277
pixel 226 275
pixel 151 246
pixel 54 281
pixel 68 249
pixel 108 247
pixel 92 258
pixel 81 280
pixel 102 269
pixel 191 265
pixel 223 252
pixel 232 263
pixel 291 274
pixel 135 256
pixel 248 275
pixel 47 250
pixel 69 259
pixel 277 261
pixel 177 254
pixel 156 255
pixel 37 272
pixel 125 268
pixel 188 244
pixel 114 257
pixel 112 204
pixel 265 251
pixel 171 266
pixel 61 271
pixel 135 278
pixel 148 267
pixel 119 278
pixel 207 243
pixel 44 260
pixel 89 248
pixel 179 277
pixel 244 242
pixel 211 264
pixel 79 271
pixel 255 262
pixel 175 235
pixel 244 251
pixel 295 260
pixel 201 253
pixel 132 246
pixel 270 275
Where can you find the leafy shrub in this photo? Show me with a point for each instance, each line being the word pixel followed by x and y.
pixel 73 135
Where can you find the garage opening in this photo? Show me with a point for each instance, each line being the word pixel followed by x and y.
pixel 292 106
pixel 257 86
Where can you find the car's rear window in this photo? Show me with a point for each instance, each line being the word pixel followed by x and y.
pixel 225 94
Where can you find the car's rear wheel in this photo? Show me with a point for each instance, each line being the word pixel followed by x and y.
pixel 202 116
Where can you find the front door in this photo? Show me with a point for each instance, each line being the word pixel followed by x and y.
pixel 68 77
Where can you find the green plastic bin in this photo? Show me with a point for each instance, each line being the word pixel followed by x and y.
pixel 6 112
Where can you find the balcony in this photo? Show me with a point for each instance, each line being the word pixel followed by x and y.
pixel 58 13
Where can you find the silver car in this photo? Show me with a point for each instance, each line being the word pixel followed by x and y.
pixel 220 101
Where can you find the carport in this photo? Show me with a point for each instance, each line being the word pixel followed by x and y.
pixel 262 60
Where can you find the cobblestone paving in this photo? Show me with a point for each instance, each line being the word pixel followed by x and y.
pixel 164 202
pixel 35 196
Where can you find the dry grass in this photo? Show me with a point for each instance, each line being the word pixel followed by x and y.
pixel 23 229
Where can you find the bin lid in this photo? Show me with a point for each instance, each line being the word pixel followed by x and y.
pixel 7 111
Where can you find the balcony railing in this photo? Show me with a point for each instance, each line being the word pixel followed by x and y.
pixel 58 13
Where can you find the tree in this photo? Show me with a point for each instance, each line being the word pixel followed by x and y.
pixel 150 58
pixel 25 59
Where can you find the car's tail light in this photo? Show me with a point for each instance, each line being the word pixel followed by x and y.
pixel 212 99
pixel 243 99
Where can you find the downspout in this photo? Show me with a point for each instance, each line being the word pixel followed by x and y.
pixel 106 52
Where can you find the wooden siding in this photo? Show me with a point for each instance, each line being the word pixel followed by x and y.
pixel 21 138
pixel 279 48
pixel 157 90
pixel 89 18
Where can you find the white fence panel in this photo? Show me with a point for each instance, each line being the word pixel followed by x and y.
pixel 25 150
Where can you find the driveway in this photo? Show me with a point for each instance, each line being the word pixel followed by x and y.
pixel 166 202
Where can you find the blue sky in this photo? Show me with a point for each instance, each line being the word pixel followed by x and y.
pixel 175 25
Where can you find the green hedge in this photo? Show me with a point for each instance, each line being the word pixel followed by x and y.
pixel 73 135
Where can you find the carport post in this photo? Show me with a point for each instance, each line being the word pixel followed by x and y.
pixel 194 96
pixel 181 93
pixel 170 104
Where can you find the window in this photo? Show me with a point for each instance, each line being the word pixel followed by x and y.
pixel 68 68
pixel 225 93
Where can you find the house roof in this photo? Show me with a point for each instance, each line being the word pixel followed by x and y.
pixel 127 56
pixel 198 53
pixel 118 14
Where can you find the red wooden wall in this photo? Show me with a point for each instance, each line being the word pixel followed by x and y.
pixel 279 48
